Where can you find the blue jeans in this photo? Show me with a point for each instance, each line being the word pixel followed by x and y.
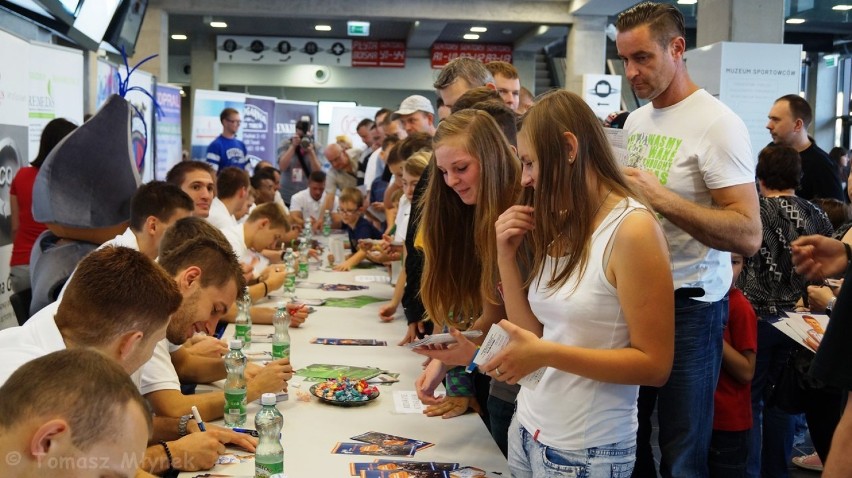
pixel 500 413
pixel 728 454
pixel 771 443
pixel 530 459
pixel 685 402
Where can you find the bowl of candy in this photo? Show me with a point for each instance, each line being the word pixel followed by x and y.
pixel 345 392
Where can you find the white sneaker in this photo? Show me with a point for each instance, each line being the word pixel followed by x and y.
pixel 808 462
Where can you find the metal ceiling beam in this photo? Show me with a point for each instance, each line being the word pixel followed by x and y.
pixel 550 12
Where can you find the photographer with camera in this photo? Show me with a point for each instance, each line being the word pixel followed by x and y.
pixel 298 161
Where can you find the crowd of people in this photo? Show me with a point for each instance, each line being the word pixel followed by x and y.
pixel 637 289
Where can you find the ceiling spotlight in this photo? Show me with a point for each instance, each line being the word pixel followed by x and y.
pixel 507 31
pixel 842 8
pixel 178 37
pixel 471 36
pixel 218 24
pixel 478 29
pixel 542 30
pixel 323 28
pixel 687 2
pixel 795 21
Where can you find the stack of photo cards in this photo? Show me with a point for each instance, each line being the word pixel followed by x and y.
pixel 414 469
pixel 382 444
pixel 389 468
pixel 442 339
pixel 494 342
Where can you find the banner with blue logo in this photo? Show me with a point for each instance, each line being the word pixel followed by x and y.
pixel 168 135
pixel 259 130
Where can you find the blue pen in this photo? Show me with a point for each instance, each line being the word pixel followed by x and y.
pixel 247 431
pixel 198 419
pixel 472 366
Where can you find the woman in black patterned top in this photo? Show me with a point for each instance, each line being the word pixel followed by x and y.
pixel 771 285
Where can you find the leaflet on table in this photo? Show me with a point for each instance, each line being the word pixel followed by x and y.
pixel 805 329
pixel 407 402
pixel 442 339
pixel 494 342
pixel 326 371
pixel 373 449
pixel 333 341
pixel 384 439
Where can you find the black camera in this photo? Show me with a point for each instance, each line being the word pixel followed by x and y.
pixel 307 141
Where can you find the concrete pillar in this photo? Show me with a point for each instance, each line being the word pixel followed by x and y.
pixel 586 50
pixel 153 40
pixel 203 75
pixel 755 21
pixel 822 96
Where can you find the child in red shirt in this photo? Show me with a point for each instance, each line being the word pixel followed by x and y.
pixel 732 414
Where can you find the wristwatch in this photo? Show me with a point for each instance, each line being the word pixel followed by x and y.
pixel 830 306
pixel 182 425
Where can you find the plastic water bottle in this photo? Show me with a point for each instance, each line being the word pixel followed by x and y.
pixel 326 224
pixel 281 338
pixel 269 455
pixel 235 385
pixel 303 258
pixel 242 324
pixel 290 265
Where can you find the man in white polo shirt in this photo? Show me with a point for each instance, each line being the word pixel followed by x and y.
pixel 306 205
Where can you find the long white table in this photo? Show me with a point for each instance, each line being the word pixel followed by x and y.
pixel 311 429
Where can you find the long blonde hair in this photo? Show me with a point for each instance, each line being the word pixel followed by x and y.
pixel 565 208
pixel 460 251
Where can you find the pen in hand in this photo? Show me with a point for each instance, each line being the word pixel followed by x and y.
pixel 198 419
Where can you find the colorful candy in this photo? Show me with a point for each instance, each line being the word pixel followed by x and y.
pixel 345 390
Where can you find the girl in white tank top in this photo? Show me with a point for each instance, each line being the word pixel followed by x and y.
pixel 599 311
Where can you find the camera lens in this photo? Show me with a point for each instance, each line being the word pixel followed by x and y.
pixel 306 141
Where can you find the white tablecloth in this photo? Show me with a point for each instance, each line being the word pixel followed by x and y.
pixel 311 429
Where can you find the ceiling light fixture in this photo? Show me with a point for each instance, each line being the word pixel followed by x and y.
pixel 323 28
pixel 471 36
pixel 795 21
pixel 842 8
pixel 178 37
pixel 218 24
pixel 478 29
pixel 687 2
pixel 542 30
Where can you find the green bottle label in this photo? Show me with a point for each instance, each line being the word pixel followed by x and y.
pixel 243 332
pixel 280 351
pixel 235 401
pixel 266 470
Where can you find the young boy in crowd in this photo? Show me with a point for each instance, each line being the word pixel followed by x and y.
pixel 356 225
pixel 732 419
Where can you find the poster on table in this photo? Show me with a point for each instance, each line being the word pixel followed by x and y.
pixel 287 113
pixel 259 130
pixel 142 123
pixel 14 148
pixel 748 78
pixel 107 82
pixel 206 126
pixel 56 89
pixel 169 147
pixel 344 120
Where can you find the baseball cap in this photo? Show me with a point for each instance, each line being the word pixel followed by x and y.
pixel 414 103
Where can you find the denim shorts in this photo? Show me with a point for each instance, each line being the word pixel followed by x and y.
pixel 529 458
